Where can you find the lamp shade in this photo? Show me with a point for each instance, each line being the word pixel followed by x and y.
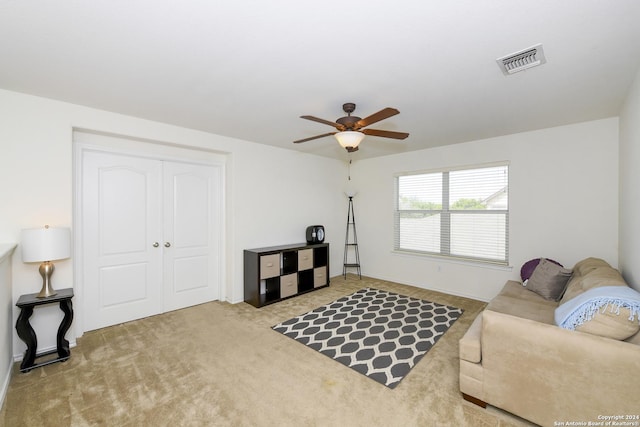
pixel 349 138
pixel 45 244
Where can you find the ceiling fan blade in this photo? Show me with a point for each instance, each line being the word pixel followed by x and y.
pixel 314 137
pixel 376 117
pixel 385 133
pixel 323 121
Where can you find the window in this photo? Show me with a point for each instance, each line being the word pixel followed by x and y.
pixel 457 213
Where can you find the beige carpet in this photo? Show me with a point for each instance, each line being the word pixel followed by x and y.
pixel 219 364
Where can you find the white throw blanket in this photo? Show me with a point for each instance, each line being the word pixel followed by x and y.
pixel 582 308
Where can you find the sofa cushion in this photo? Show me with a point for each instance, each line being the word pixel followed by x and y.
pixel 516 300
pixel 594 273
pixel 611 325
pixel 596 277
pixel 634 339
pixel 549 280
pixel 588 264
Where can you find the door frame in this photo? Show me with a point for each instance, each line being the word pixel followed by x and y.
pixel 147 149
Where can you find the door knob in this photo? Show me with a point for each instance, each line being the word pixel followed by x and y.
pixel 156 244
pixel 167 244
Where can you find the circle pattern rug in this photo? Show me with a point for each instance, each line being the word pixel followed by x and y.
pixel 378 333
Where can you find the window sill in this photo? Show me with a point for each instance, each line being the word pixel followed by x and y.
pixel 469 263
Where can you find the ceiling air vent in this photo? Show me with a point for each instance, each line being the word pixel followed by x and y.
pixel 520 61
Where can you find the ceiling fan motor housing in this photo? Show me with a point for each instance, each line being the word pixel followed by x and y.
pixel 348 121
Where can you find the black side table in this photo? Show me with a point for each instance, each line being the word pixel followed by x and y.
pixel 28 335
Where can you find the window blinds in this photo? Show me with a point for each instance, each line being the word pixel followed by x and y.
pixel 461 213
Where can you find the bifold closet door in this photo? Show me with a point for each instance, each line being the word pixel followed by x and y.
pixel 122 256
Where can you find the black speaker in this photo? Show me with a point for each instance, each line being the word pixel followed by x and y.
pixel 315 234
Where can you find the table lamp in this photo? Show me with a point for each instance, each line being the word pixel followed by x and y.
pixel 44 245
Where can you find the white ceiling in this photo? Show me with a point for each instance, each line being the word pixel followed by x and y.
pixel 249 68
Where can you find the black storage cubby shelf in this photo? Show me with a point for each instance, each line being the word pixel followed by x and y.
pixel 305 280
pixel 278 272
pixel 269 290
pixel 289 262
pixel 320 256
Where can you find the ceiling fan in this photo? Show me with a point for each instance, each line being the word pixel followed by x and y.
pixel 350 129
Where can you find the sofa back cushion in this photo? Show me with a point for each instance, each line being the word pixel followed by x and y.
pixel 596 277
pixel 607 322
pixel 588 264
pixel 611 324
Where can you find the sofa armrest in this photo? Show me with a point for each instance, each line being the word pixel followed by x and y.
pixel 470 349
pixel 547 374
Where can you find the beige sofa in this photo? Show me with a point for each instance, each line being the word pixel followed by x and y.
pixel 515 357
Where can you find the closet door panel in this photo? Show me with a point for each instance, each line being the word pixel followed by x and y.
pixel 120 284
pixel 192 195
pixel 188 273
pixel 121 221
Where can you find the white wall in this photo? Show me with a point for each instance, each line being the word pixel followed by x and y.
pixel 563 197
pixel 629 192
pixel 272 194
pixel 563 205
pixel 6 318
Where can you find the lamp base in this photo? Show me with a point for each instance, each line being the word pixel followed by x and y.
pixel 46 270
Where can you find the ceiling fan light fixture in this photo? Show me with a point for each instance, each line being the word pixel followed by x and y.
pixel 349 138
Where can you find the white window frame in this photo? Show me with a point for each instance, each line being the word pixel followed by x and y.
pixel 445 217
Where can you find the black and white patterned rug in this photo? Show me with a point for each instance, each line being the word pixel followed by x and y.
pixel 380 334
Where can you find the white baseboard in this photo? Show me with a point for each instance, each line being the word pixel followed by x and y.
pixel 19 357
pixel 432 288
pixel 5 383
